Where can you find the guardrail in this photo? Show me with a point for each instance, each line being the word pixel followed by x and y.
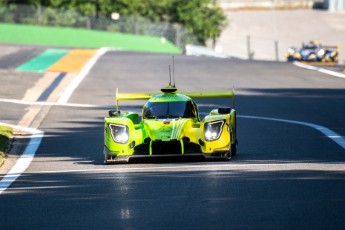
pixel 193 50
pixel 335 5
pixel 262 4
pixel 332 5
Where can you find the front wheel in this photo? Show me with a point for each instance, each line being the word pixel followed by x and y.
pixel 233 149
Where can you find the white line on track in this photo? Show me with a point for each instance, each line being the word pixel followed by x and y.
pixel 25 159
pixel 43 103
pixel 327 166
pixel 321 70
pixel 81 75
pixel 340 140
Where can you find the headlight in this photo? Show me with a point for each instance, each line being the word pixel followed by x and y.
pixel 212 130
pixel 291 51
pixel 321 53
pixel 119 133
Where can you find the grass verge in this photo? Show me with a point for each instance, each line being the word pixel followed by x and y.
pixel 83 38
pixel 5 134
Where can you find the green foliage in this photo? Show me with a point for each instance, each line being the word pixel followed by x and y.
pixel 203 18
pixel 6 15
pixel 5 134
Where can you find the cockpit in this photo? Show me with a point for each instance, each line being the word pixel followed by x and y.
pixel 174 109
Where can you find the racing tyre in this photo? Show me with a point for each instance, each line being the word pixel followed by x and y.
pixel 227 156
pixel 335 58
pixel 105 159
pixel 233 149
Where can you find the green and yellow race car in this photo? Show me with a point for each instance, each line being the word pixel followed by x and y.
pixel 170 126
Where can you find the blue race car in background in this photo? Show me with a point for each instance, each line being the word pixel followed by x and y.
pixel 313 52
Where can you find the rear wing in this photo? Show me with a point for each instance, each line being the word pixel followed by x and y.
pixel 194 95
pixel 220 94
pixel 336 47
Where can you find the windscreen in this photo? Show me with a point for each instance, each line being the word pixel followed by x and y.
pixel 174 109
pixel 310 46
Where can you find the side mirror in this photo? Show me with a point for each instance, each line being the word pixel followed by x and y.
pixel 113 113
pixel 224 110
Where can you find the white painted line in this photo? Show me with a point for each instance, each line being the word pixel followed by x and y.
pixel 329 72
pixel 24 161
pixel 340 140
pixel 43 103
pixel 305 66
pixel 321 70
pixel 331 166
pixel 80 76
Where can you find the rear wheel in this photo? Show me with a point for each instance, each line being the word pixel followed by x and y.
pixel 106 159
pixel 334 58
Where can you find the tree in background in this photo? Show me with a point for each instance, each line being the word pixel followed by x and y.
pixel 203 18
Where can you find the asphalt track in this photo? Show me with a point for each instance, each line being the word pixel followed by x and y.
pixel 286 176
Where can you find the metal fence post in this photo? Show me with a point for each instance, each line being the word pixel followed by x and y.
pixel 136 25
pixel 88 23
pixel 248 48
pixel 276 50
pixel 39 12
pixel 177 35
